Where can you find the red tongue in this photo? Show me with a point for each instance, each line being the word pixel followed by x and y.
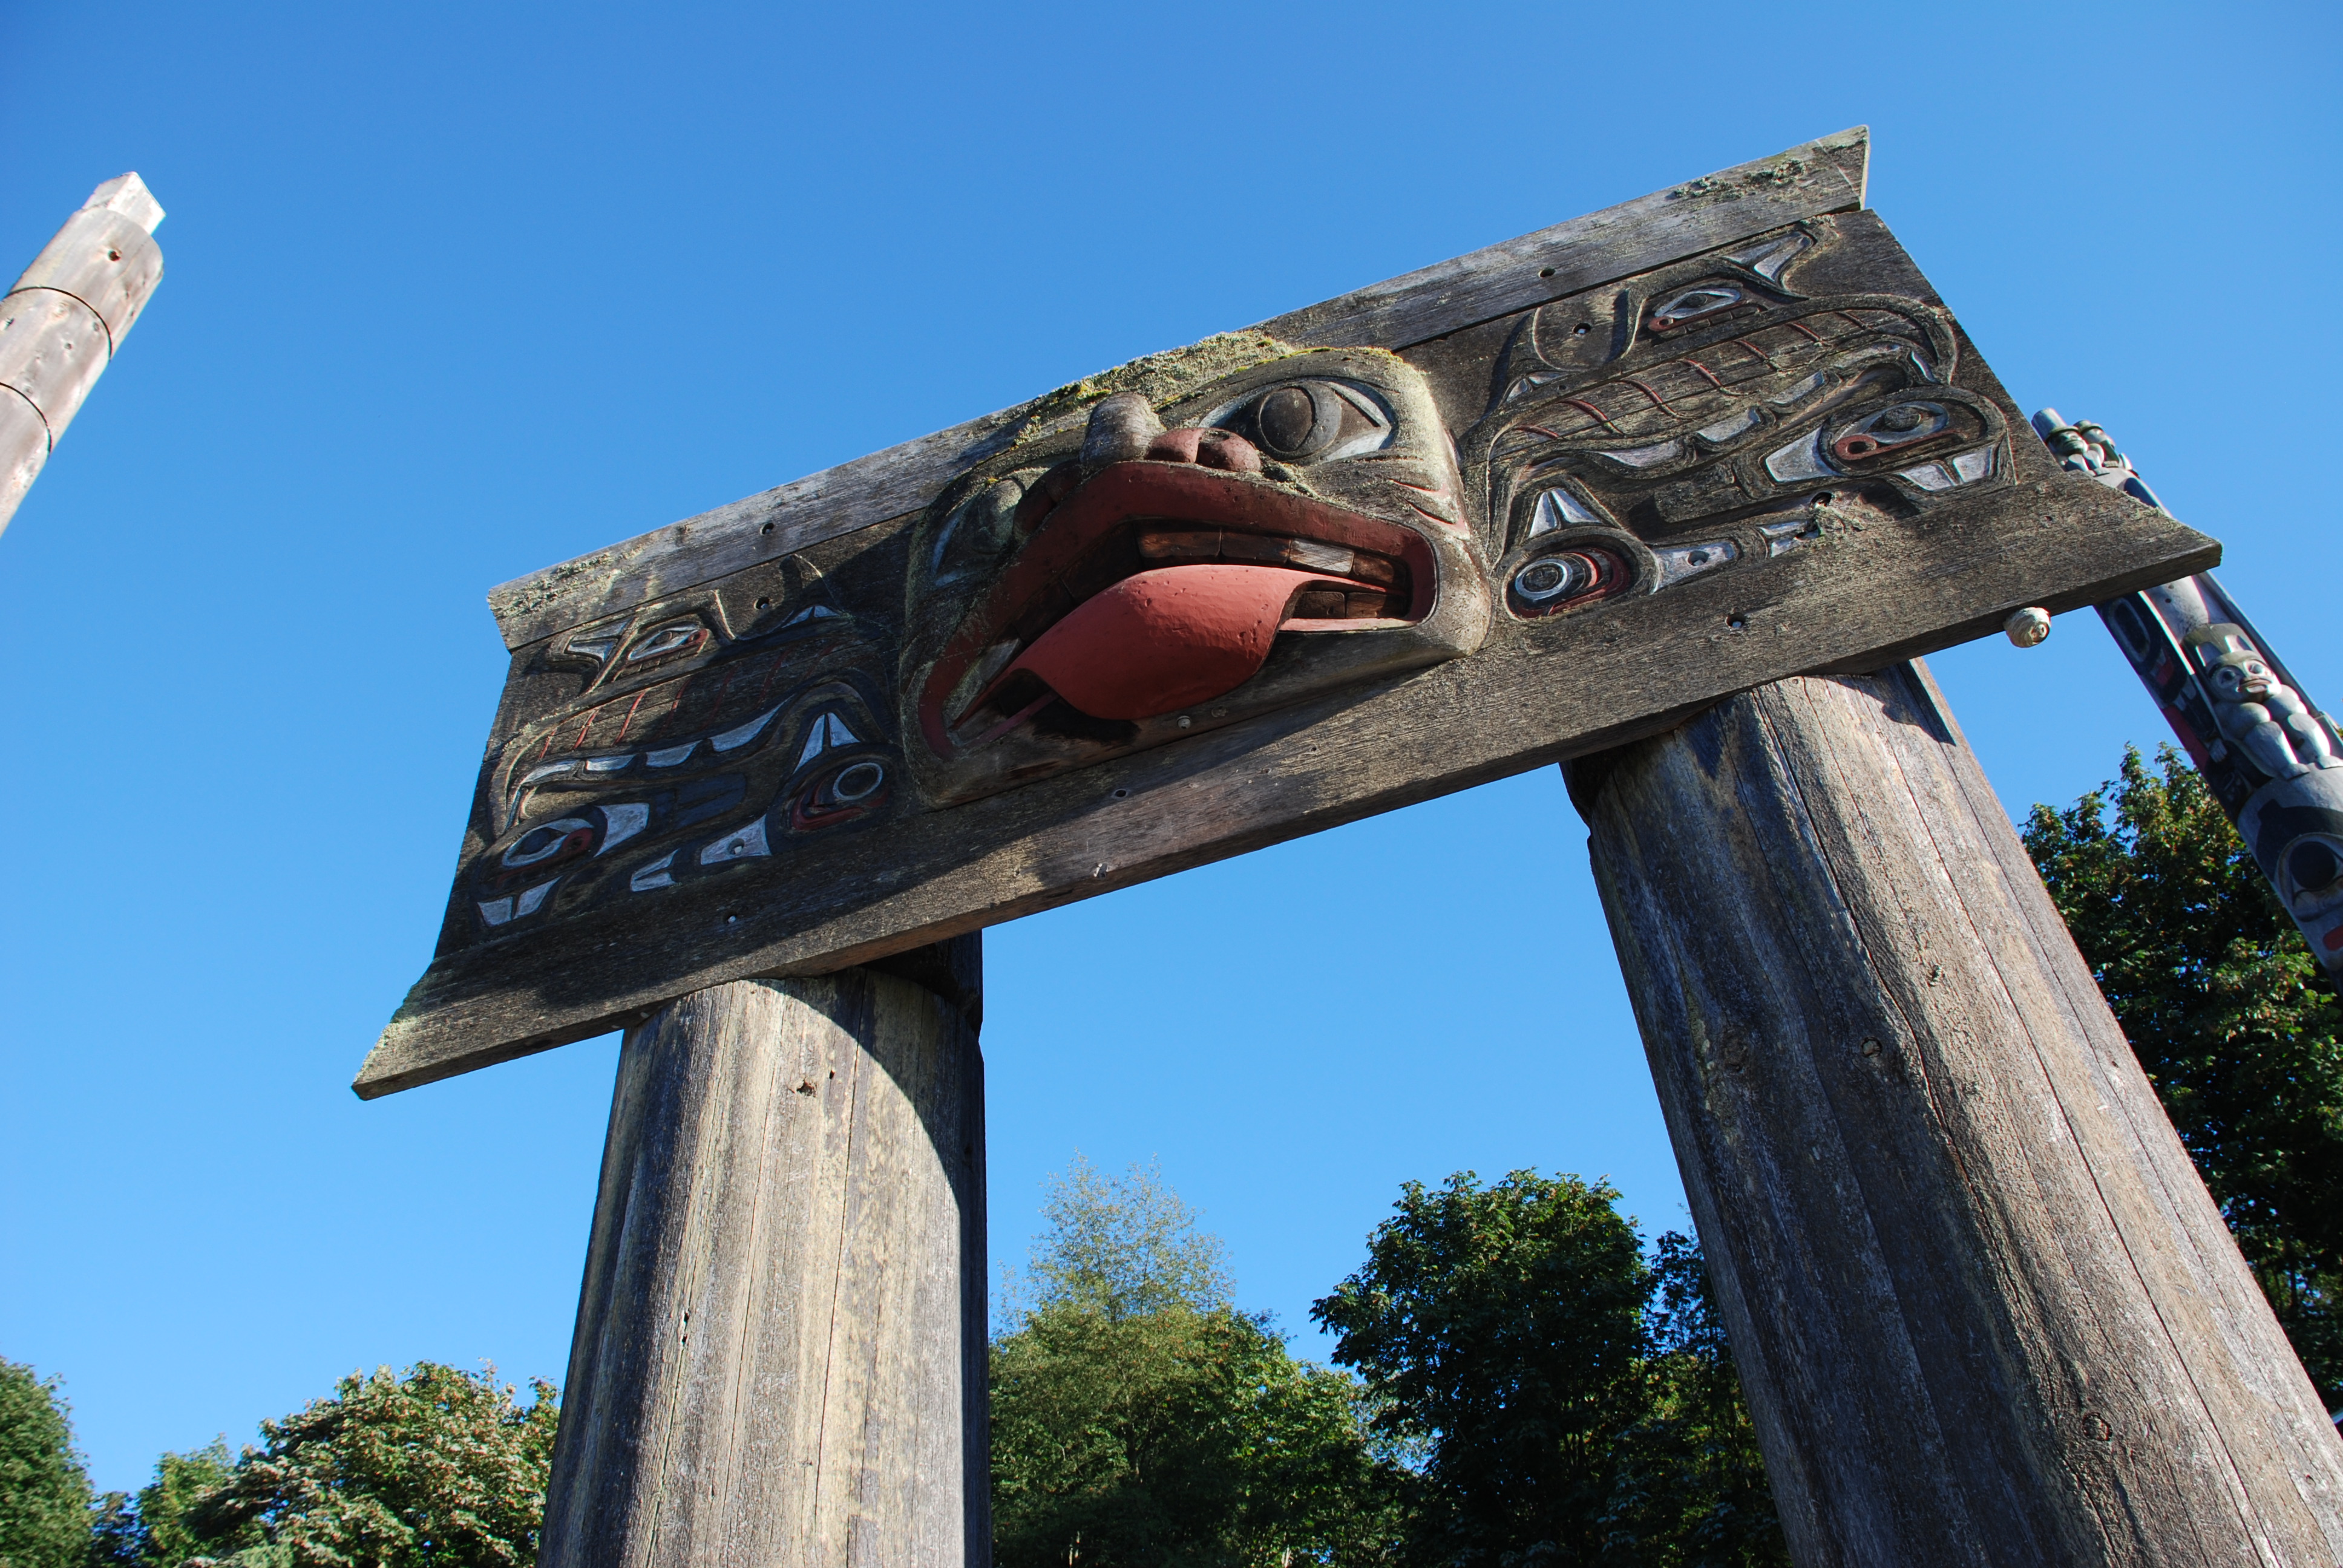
pixel 1164 640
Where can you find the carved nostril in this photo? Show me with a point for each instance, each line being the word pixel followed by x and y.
pixel 1227 449
pixel 1121 428
pixel 1176 445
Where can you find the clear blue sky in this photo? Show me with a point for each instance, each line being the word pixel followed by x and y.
pixel 458 291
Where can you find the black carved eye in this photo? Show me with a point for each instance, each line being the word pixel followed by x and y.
pixel 1309 421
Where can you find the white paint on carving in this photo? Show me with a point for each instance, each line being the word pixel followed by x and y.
pixel 653 874
pixel 1555 507
pixel 497 912
pixel 1931 476
pixel 669 755
pixel 741 845
pixel 1691 560
pixel 1737 425
pixel 1790 396
pixel 1646 456
pixel 546 772
pixel 732 739
pixel 622 823
pixel 530 901
pixel 608 764
pixel 1800 459
pixel 1974 465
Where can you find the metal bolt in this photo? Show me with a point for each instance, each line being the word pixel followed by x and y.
pixel 1870 1046
pixel 1185 722
pixel 2026 627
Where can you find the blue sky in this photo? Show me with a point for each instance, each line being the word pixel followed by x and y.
pixel 455 292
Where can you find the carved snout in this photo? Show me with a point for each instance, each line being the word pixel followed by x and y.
pixel 1124 426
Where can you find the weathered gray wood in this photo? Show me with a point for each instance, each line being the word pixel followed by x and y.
pixel 62 322
pixel 1549 691
pixel 1984 1310
pixel 1824 176
pixel 780 1353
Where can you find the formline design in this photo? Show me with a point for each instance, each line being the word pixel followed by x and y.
pixel 1526 504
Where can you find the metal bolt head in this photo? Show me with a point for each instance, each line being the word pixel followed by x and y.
pixel 2027 627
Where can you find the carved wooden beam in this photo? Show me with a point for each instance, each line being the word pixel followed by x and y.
pixel 1528 503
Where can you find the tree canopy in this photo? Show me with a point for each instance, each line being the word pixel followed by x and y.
pixel 2234 1021
pixel 439 1468
pixel 44 1498
pixel 1574 1403
pixel 1140 1418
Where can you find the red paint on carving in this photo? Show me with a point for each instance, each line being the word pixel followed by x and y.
pixel 1794 324
pixel 630 714
pixel 1165 639
pixel 1600 417
pixel 1704 369
pixel 1211 448
pixel 2332 939
pixel 1657 401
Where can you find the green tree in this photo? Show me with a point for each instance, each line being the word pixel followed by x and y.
pixel 439 1469
pixel 1139 1418
pixel 1575 1403
pixel 2235 1023
pixel 45 1502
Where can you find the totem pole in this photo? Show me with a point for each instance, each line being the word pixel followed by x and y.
pixel 2273 761
pixel 60 325
pixel 1636 492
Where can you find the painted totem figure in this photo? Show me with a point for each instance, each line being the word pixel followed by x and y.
pixel 2268 756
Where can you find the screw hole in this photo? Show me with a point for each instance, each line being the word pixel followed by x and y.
pixel 764 604
pixel 1545 272
pixel 767 528
pixel 1581 329
pixel 731 920
pixel 1736 623
pixel 1822 498
pixel 1122 794
pixel 114 255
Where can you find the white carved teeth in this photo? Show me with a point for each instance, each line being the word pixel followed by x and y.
pixel 669 755
pixel 608 764
pixel 546 772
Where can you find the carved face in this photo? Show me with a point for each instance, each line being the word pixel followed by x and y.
pixel 2242 677
pixel 1273 535
pixel 1705 419
pixel 709 734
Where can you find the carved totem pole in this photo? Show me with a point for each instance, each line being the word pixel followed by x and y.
pixel 1638 490
pixel 62 322
pixel 2273 761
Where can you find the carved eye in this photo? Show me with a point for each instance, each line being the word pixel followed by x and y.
pixel 1567 579
pixel 1899 425
pixel 569 836
pixel 666 641
pixel 846 793
pixel 1693 304
pixel 1309 421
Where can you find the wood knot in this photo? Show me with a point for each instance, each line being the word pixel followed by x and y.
pixel 2097 1428
pixel 806 1088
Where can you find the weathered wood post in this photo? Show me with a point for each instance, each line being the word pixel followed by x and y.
pixel 1983 1308
pixel 62 322
pixel 780 1344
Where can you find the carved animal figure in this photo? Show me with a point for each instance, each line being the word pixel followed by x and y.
pixel 2263 715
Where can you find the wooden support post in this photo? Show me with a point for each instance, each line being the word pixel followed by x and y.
pixel 62 322
pixel 781 1344
pixel 1984 1310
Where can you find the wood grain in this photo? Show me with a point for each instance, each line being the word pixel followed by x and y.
pixel 781 1343
pixel 1984 1310
pixel 1538 692
pixel 1824 176
pixel 62 322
